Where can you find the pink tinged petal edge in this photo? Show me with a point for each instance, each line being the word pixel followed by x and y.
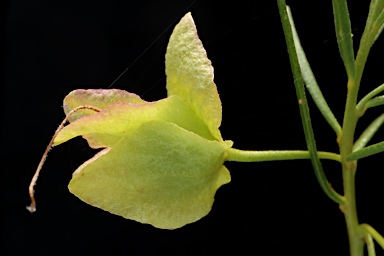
pixel 99 98
pixel 105 128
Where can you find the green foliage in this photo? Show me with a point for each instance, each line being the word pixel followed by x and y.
pixel 350 151
pixel 344 35
pixel 310 80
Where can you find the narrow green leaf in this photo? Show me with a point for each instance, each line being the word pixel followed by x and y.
pixel 344 35
pixel 377 9
pixel 368 133
pixel 375 102
pixel 370 245
pixel 310 81
pixel 361 106
pixel 379 31
pixel 378 238
pixel 303 106
pixel 367 151
pixel 372 30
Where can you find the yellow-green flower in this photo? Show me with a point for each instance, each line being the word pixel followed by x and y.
pixel 162 161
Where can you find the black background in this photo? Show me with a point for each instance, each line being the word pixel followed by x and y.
pixel 275 208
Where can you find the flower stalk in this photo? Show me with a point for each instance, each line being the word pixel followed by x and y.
pixel 275 155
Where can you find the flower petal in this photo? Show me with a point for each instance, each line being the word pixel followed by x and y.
pixel 190 74
pixel 97 98
pixel 106 128
pixel 159 174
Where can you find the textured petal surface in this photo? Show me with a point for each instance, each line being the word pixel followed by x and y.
pixel 159 174
pixel 106 128
pixel 190 74
pixel 100 99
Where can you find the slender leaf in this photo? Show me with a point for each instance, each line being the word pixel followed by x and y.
pixel 378 238
pixel 367 135
pixel 310 81
pixel 344 35
pixel 367 151
pixel 379 31
pixel 303 106
pixel 377 8
pixel 375 102
pixel 361 107
pixel 372 30
pixel 370 245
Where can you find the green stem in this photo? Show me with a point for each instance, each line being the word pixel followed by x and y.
pixel 348 131
pixel 351 115
pixel 274 155
pixel 356 244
